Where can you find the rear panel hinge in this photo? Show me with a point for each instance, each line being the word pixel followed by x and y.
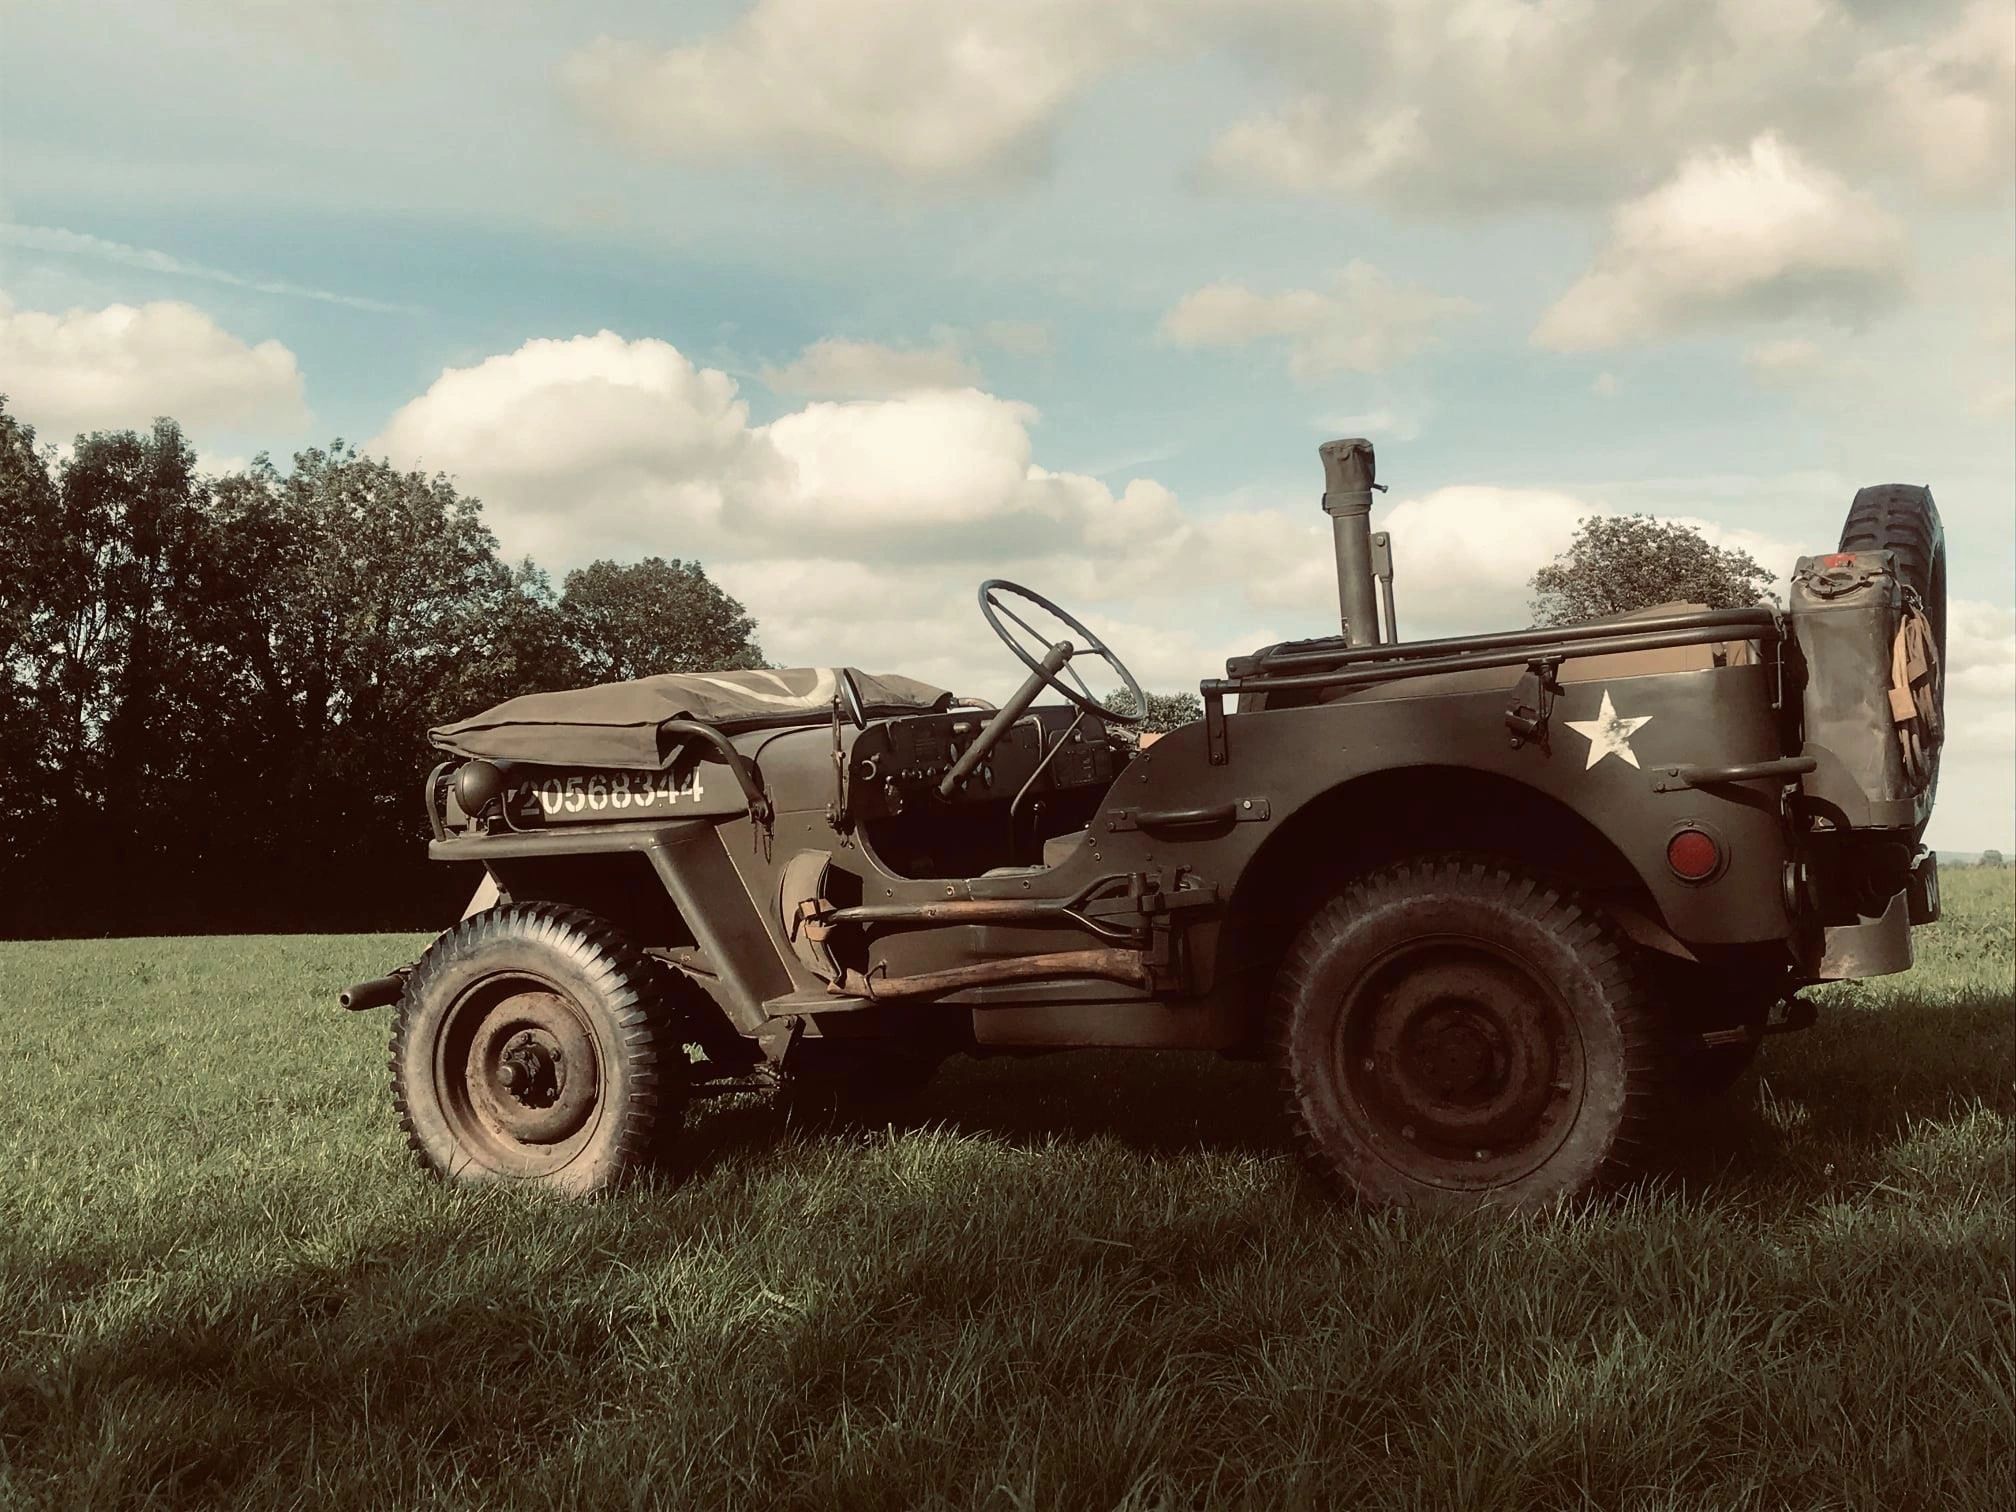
pixel 1533 703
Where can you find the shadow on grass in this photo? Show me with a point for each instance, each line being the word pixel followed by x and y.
pixel 1837 1093
pixel 1840 1093
pixel 1155 1102
pixel 430 1367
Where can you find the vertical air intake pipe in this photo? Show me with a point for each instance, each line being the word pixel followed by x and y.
pixel 1347 498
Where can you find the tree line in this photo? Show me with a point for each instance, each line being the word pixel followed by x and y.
pixel 215 691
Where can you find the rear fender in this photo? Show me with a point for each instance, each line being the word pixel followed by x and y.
pixel 1355 783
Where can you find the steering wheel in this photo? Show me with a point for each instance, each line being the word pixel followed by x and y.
pixel 992 609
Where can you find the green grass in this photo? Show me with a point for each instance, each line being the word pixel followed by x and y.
pixel 1085 1281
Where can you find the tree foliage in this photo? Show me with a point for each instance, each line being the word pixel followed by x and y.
pixel 1618 563
pixel 653 616
pixel 1166 711
pixel 214 694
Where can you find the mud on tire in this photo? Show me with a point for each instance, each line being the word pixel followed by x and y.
pixel 534 1043
pixel 1450 1030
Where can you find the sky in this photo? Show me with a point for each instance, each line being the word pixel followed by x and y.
pixel 860 302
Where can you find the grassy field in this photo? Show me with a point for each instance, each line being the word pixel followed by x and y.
pixel 1085 1281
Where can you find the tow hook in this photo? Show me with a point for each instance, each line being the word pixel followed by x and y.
pixel 375 993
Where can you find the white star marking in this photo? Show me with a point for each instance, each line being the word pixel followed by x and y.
pixel 1608 734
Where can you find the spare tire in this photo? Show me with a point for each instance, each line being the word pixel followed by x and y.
pixel 1901 518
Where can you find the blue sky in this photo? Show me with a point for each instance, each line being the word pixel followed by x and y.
pixel 901 294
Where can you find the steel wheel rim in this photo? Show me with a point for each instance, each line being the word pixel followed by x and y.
pixel 1459 1061
pixel 519 1075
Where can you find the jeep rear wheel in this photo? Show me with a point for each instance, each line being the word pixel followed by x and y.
pixel 1452 1032
pixel 533 1044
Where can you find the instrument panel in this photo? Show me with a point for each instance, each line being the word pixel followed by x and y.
pixel 897 764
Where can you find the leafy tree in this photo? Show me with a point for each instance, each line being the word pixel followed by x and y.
pixel 29 511
pixel 125 528
pixel 214 694
pixel 1166 711
pixel 653 616
pixel 354 605
pixel 1992 858
pixel 1618 563
pixel 133 687
pixel 28 524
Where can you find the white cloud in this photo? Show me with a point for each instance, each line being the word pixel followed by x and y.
pixel 1364 322
pixel 1981 678
pixel 1508 103
pixel 1943 106
pixel 836 368
pixel 121 366
pixel 1470 552
pixel 919 90
pixel 1977 778
pixel 587 447
pixel 1732 237
pixel 599 445
pixel 1490 103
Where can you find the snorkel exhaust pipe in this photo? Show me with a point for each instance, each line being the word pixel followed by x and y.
pixel 1348 471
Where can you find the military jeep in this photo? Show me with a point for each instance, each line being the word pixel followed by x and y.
pixel 1493 904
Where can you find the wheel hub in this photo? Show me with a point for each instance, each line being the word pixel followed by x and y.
pixel 1457 1058
pixel 530 1071
pixel 1452 1053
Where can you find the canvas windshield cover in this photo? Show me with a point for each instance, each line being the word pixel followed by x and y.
pixel 621 724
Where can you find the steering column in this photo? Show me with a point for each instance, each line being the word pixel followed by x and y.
pixel 1052 663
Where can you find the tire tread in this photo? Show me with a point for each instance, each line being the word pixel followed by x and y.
pixel 629 992
pixel 1603 949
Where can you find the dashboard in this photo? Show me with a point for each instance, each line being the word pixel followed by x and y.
pixel 896 765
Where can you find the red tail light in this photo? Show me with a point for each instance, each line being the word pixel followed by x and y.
pixel 1693 855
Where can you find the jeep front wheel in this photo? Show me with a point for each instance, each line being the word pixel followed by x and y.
pixel 532 1044
pixel 1451 1032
